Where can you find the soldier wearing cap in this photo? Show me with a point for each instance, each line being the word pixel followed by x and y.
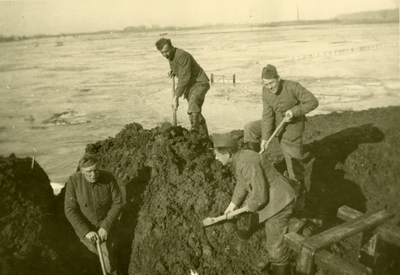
pixel 282 98
pixel 261 189
pixel 93 203
pixel 193 83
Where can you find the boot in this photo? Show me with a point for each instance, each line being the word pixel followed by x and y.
pixel 198 123
pixel 254 146
pixel 195 122
pixel 203 131
pixel 281 269
pixel 299 190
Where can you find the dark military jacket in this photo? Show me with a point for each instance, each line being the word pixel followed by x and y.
pixel 259 185
pixel 185 67
pixel 89 206
pixel 291 96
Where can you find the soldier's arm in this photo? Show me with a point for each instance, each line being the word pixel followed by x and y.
pixel 73 212
pixel 254 177
pixel 240 192
pixel 268 118
pixel 308 101
pixel 116 207
pixel 184 68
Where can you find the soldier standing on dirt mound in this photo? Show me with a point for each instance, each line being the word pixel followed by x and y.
pixel 93 204
pixel 264 192
pixel 193 82
pixel 283 98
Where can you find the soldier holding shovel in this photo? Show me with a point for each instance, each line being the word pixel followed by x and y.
pixel 262 191
pixel 282 99
pixel 93 203
pixel 193 83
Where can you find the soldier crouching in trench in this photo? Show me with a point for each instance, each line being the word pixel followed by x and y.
pixel 264 192
pixel 93 203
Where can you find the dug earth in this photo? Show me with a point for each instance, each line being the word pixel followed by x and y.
pixel 171 181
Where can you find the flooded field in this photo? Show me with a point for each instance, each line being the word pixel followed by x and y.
pixel 59 94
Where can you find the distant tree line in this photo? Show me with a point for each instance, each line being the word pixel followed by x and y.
pixel 382 16
pixel 12 38
pixel 368 17
pixel 18 38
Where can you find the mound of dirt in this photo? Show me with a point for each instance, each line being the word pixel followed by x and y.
pixel 26 218
pixel 171 182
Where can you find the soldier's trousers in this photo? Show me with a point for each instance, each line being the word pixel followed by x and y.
pixel 275 228
pixel 291 150
pixel 195 97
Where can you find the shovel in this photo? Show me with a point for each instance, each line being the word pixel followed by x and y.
pixel 173 94
pixel 103 267
pixel 211 221
pixel 285 119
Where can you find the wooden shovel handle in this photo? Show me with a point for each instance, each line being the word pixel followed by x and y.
pixel 285 119
pixel 103 267
pixel 210 221
pixel 174 119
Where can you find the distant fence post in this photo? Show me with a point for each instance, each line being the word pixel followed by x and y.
pixel 222 78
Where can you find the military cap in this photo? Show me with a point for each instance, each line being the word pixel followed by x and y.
pixel 224 140
pixel 269 72
pixel 162 42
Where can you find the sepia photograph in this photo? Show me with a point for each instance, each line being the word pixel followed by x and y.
pixel 230 137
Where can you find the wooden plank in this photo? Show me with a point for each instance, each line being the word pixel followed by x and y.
pixel 305 262
pixel 347 213
pixel 346 230
pixel 295 224
pixel 323 258
pixel 356 223
pixel 294 241
pixel 326 260
pixel 387 232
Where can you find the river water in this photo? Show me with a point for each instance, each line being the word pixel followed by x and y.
pixel 59 94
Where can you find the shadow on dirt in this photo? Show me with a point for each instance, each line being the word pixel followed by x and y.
pixel 129 216
pixel 328 188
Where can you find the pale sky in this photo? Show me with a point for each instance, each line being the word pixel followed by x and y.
pixel 31 17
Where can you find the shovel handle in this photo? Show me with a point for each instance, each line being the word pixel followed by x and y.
pixel 103 267
pixel 285 119
pixel 236 212
pixel 174 119
pixel 210 221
